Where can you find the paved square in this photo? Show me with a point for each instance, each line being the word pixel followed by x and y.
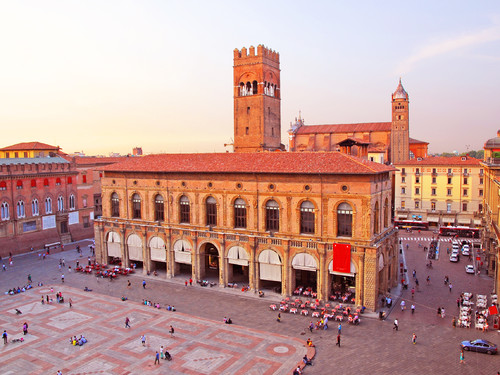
pixel 199 346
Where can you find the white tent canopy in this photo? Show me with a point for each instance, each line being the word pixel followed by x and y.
pixel 270 265
pixel 351 273
pixel 304 261
pixel 113 243
pixel 134 243
pixel 157 246
pixel 237 255
pixel 182 252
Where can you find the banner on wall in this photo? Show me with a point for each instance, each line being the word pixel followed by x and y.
pixel 73 218
pixel 49 222
pixel 341 258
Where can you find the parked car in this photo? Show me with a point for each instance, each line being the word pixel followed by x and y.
pixel 465 251
pixel 470 269
pixel 479 345
pixel 454 258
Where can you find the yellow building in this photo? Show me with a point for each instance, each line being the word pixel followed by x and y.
pixel 491 165
pixel 440 190
pixel 29 150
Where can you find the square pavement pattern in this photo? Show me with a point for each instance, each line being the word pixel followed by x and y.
pixel 199 346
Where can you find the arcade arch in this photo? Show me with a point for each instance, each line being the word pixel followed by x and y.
pixel 237 265
pixel 304 273
pixel 182 258
pixel 270 270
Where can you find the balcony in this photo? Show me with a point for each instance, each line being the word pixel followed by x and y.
pixel 450 174
pixel 492 161
pixel 434 174
pixel 466 174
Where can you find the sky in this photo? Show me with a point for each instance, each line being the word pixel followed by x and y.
pixel 106 76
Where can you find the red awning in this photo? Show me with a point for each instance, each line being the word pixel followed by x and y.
pixel 341 258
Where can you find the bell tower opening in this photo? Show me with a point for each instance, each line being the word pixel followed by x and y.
pixel 257 100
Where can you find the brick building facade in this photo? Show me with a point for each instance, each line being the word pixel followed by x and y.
pixel 267 220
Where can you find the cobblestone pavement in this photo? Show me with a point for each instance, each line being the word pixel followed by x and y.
pixel 373 347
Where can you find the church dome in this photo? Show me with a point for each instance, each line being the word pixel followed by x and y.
pixel 400 92
pixel 493 142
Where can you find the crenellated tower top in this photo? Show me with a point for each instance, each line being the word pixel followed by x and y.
pixel 263 55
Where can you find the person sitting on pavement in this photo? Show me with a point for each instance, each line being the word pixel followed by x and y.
pixel 309 342
pixel 306 360
pixel 297 371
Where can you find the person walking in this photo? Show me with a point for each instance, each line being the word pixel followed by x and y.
pixel 403 305
pixel 171 331
pixel 29 277
pixel 127 322
pixel 143 340
pixel 279 317
pixel 190 282
pixel 143 284
pixel 128 284
pixel 412 308
pixel 396 325
pixel 412 293
pixel 157 358
pixel 338 340
pixel 450 286
pixel 161 352
pixel 311 326
pixel 4 336
pixel 462 357
pixel 62 278
pixel 25 328
pixel 414 338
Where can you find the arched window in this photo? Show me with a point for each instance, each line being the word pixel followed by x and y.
pixel 386 213
pixel 307 217
pixel 240 213
pixel 71 202
pixel 211 206
pixel 376 221
pixel 184 216
pixel 254 87
pixel 35 211
pixel 58 181
pixel 20 209
pixel 33 183
pixel 115 205
pixel 48 205
pixel 60 203
pixel 3 185
pixel 19 184
pixel 344 220
pixel 272 216
pixel 70 180
pixel 159 208
pixel 4 211
pixel 136 206
pixel 46 182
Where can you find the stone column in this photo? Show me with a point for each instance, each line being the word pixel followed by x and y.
pixel 252 282
pixel 169 256
pixel 370 279
pixel 101 249
pixel 322 292
pixel 195 260
pixel 222 264
pixel 285 270
pixel 124 249
pixel 146 253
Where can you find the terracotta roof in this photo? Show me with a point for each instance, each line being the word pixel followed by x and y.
pixel 346 128
pixel 259 162
pixel 443 160
pixel 30 146
pixel 95 160
pixel 416 141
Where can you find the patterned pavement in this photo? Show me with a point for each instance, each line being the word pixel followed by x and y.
pixel 199 346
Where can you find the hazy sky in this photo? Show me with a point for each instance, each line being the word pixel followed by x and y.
pixel 103 76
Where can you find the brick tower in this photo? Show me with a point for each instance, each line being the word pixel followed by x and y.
pixel 400 132
pixel 257 100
